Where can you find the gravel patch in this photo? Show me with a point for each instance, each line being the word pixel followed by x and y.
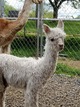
pixel 59 91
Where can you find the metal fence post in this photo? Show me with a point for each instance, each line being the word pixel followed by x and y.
pixel 37 15
pixel 39 29
pixel 1 8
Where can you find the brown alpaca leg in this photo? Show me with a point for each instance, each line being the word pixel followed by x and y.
pixel 5 49
pixel 3 85
pixel 2 90
pixel 1 99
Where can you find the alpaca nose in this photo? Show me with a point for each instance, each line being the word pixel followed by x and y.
pixel 61 46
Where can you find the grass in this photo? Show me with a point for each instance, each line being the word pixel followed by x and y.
pixel 65 69
pixel 72 53
pixel 72 47
pixel 27 52
pixel 71 27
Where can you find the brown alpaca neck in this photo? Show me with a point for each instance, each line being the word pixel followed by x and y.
pixel 22 18
pixel 10 28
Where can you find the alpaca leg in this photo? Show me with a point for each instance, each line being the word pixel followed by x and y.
pixel 6 49
pixel 30 99
pixel 3 86
pixel 31 96
pixel 37 100
pixel 1 99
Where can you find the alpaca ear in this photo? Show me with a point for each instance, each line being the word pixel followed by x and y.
pixel 46 28
pixel 60 24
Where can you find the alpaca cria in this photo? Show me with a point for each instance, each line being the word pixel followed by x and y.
pixel 9 28
pixel 29 73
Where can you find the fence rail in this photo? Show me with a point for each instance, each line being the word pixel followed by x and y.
pixel 45 19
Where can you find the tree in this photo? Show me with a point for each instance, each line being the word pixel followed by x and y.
pixel 76 3
pixel 57 3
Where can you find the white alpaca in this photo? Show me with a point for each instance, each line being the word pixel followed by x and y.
pixel 29 73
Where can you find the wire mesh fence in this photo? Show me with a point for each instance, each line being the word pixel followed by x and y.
pixel 30 40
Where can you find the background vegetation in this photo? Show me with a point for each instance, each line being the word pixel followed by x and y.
pixel 72 41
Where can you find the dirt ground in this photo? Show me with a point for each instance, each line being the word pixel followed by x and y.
pixel 59 91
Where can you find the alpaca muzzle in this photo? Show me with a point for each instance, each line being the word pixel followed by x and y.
pixel 61 47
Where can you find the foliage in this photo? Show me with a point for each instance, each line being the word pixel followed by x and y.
pixel 76 3
pixel 7 8
pixel 57 3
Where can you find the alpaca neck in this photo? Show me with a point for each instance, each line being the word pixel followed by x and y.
pixel 50 55
pixel 48 62
pixel 23 17
pixel 50 59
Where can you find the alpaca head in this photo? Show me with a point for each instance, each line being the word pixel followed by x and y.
pixel 55 36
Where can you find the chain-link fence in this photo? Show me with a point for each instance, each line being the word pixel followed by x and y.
pixel 30 40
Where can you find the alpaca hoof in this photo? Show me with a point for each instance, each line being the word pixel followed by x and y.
pixel 37 1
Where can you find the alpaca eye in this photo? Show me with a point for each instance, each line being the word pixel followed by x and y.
pixel 52 39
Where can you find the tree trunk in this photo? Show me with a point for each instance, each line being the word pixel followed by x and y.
pixel 55 14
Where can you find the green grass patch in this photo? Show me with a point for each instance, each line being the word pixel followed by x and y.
pixel 70 27
pixel 64 69
pixel 72 47
pixel 27 52
pixel 71 53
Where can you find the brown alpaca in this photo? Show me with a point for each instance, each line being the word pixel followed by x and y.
pixel 9 28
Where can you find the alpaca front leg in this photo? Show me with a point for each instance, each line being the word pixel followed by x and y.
pixel 31 98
